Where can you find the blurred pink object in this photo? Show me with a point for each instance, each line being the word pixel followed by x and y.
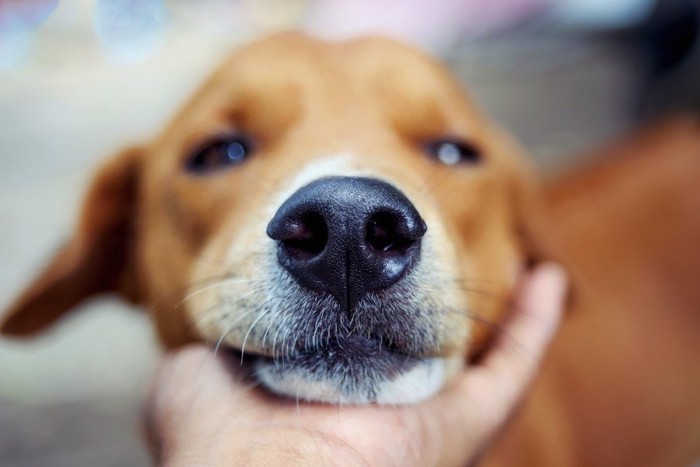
pixel 26 12
pixel 18 20
pixel 431 24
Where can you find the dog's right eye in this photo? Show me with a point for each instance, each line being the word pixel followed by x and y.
pixel 219 154
pixel 453 151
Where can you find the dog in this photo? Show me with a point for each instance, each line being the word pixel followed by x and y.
pixel 619 384
pixel 345 219
pixel 338 213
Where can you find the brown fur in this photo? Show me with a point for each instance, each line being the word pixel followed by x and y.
pixel 291 110
pixel 620 384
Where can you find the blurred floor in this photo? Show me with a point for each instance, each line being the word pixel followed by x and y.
pixel 72 396
pixel 92 432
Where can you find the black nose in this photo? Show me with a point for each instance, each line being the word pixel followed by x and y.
pixel 347 236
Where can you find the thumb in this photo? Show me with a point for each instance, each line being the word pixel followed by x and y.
pixel 480 401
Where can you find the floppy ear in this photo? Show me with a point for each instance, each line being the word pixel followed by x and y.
pixel 95 260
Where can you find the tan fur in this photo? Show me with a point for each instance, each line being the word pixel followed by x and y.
pixel 153 233
pixel 621 384
pixel 302 101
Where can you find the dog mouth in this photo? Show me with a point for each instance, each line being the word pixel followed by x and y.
pixel 352 370
pixel 303 345
pixel 371 355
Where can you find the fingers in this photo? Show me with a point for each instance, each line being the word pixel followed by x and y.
pixel 483 398
pixel 538 308
pixel 190 391
pixel 201 412
pixel 193 392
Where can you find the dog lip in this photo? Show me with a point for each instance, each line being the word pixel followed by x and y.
pixel 359 347
pixel 353 369
pixel 354 351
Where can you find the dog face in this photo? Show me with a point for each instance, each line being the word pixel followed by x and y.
pixel 339 214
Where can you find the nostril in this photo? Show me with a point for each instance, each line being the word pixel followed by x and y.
pixel 386 234
pixel 306 237
pixel 346 237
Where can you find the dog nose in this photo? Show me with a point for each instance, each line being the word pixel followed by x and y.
pixel 347 236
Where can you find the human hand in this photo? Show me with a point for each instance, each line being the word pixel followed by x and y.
pixel 201 414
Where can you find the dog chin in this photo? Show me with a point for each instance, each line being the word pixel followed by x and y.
pixel 354 371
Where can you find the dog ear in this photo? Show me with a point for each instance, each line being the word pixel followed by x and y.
pixel 95 260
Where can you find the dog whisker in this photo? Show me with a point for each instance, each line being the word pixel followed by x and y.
pixel 228 330
pixel 163 303
pixel 497 329
pixel 269 325
pixel 224 306
pixel 281 326
pixel 232 325
pixel 479 282
pixel 218 284
pixel 252 326
pixel 498 297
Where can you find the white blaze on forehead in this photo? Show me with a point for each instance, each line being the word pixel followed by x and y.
pixel 340 165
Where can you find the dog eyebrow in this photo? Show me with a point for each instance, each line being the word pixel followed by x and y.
pixel 264 108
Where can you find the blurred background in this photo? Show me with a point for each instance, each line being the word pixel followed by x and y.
pixel 80 79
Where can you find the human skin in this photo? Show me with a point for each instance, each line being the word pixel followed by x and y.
pixel 201 413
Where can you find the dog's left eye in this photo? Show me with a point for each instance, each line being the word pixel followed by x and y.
pixel 453 152
pixel 219 154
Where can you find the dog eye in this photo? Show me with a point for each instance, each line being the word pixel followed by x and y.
pixel 453 152
pixel 219 154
